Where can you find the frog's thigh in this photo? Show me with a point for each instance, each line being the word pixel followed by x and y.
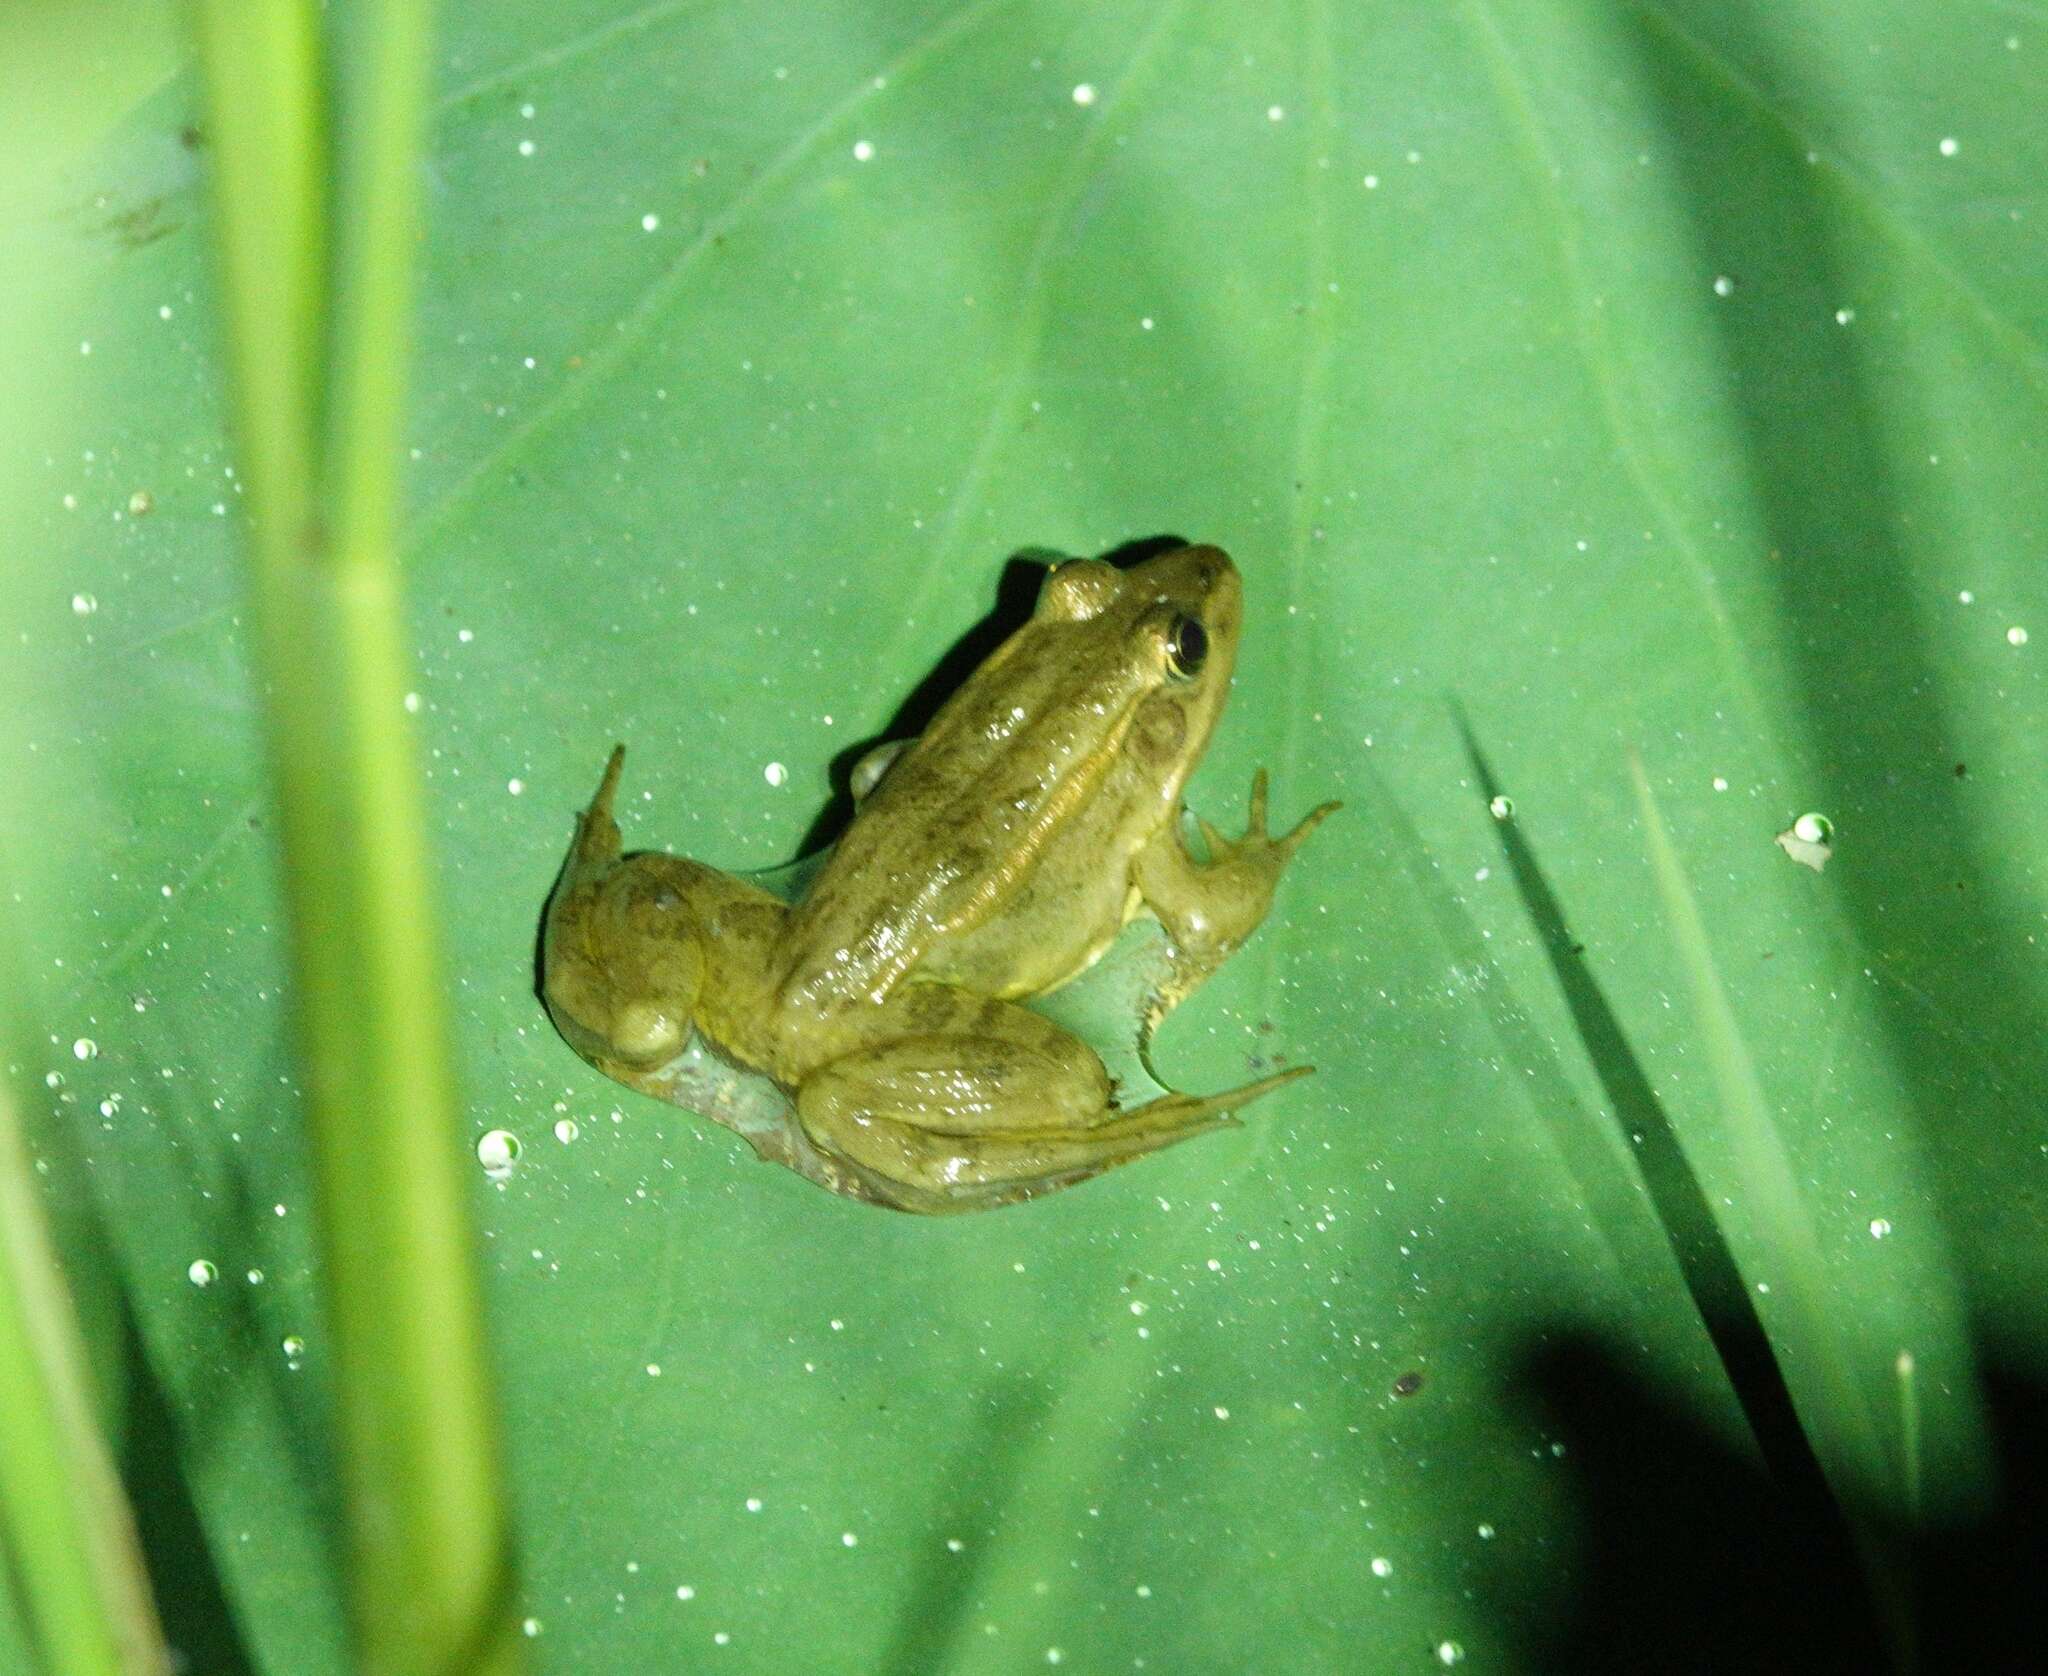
pixel 622 962
pixel 1011 1098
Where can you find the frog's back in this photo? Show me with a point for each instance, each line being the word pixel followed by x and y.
pixel 962 818
pixel 995 851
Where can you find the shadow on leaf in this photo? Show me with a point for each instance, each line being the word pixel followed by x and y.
pixel 1694 1558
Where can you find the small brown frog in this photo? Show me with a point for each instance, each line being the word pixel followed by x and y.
pixel 991 859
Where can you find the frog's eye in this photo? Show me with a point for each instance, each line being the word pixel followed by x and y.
pixel 1187 647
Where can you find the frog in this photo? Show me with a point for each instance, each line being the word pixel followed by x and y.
pixel 989 861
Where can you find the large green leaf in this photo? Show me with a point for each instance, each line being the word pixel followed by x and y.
pixel 1609 376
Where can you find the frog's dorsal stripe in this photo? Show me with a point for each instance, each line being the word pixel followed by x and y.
pixel 1069 792
pixel 891 946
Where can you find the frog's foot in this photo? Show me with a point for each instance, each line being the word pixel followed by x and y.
pixel 1257 852
pixel 620 963
pixel 1021 1107
pixel 1210 907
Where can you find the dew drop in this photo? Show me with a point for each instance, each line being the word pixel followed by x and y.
pixel 863 151
pixel 1879 1227
pixel 775 774
pixel 1724 285
pixel 1449 1652
pixel 85 1048
pixel 2016 636
pixel 1084 94
pixel 1949 145
pixel 1813 829
pixel 1501 807
pixel 84 604
pixel 202 1273
pixel 1382 1566
pixel 497 1150
pixel 566 1130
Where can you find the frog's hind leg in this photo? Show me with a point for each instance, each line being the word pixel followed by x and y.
pixel 619 973
pixel 994 1104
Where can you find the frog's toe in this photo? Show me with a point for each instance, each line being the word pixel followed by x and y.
pixel 1257 840
pixel 1303 827
pixel 1255 823
pixel 597 843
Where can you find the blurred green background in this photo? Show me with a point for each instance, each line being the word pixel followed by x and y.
pixel 1567 379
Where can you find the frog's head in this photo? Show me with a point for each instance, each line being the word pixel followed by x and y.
pixel 1174 621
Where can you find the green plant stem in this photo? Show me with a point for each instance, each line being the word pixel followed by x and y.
pixel 319 360
pixel 66 1535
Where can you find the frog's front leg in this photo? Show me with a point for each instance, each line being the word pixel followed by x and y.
pixel 1209 908
pixel 966 1101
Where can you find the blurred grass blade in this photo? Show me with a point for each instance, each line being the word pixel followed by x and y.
pixel 1693 1238
pixel 428 1530
pixel 1905 1375
pixel 1832 1402
pixel 67 1540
